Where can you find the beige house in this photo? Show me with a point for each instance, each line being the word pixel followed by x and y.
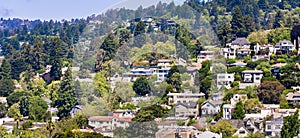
pixel 209 108
pixel 184 97
pixel 190 109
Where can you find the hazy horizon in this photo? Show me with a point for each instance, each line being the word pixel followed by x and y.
pixel 67 9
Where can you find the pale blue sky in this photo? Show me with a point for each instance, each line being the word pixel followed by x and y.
pixel 64 9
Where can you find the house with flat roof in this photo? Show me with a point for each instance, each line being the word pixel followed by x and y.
pixel 227 111
pixel 205 55
pixel 225 79
pixel 228 53
pixel 251 78
pixel 184 97
pixel 293 98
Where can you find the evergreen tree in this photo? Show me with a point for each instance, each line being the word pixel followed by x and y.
pixel 55 71
pixel 237 23
pixel 37 54
pixel 249 24
pixel 239 112
pixel 263 4
pixel 224 34
pixel 110 45
pixel 6 83
pixel 279 20
pixel 141 86
pixel 66 100
pixel 290 126
pixel 139 34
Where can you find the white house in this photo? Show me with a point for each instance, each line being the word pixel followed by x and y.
pixel 205 55
pixel 225 79
pixel 285 46
pixel 251 78
pixel 228 53
pixel 273 127
pixel 227 111
pixel 184 97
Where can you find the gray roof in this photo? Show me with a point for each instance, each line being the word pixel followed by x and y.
pixel 240 41
pixel 188 105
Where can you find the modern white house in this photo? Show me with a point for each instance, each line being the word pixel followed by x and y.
pixel 268 47
pixel 225 79
pixel 251 78
pixel 285 46
pixel 227 111
pixel 204 56
pixel 273 127
pixel 228 53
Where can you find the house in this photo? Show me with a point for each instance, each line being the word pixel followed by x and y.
pixel 178 132
pixel 204 56
pixel 185 97
pixel 284 46
pixel 227 111
pixel 275 69
pixel 228 53
pixel 225 79
pixel 207 134
pixel 251 78
pixel 259 57
pixel 209 108
pixel 296 88
pixel 113 121
pixel 273 127
pixel 241 132
pixel 241 53
pixel 293 98
pixel 238 64
pixel 240 42
pixel 138 72
pixel 258 49
pixel 77 109
pixel 164 63
pixel 187 109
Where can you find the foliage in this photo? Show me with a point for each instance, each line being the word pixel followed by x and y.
pixel 239 112
pixel 27 124
pixel 259 37
pixel 6 83
pixel 124 90
pixel 70 134
pixel 37 108
pixel 290 126
pixel 269 92
pixel 66 100
pixel 3 110
pixel 149 113
pixel 180 122
pixel 223 127
pixel 252 105
pixel 15 97
pixel 14 111
pixel 191 121
pixel 141 86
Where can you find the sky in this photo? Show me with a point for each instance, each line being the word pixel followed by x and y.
pixel 65 9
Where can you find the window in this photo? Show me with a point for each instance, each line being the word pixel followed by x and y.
pixel 269 127
pixel 242 131
pixel 257 78
pixel 277 127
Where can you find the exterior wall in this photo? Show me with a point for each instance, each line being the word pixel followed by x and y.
pixel 227 111
pixel 209 110
pixel 225 80
pixel 112 124
pixel 181 111
pixel 228 53
pixel 183 97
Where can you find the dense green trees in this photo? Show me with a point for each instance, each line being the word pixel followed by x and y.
pixel 141 86
pixel 269 92
pixel 290 126
pixel 239 112
pixel 66 100
pixel 6 83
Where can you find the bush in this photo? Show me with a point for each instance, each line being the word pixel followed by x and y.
pixel 27 124
pixel 191 121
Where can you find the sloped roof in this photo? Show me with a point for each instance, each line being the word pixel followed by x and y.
pixel 188 105
pixel 241 41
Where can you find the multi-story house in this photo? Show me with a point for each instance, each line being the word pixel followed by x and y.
pixel 293 98
pixel 259 48
pixel 227 111
pixel 225 79
pixel 138 72
pixel 243 53
pixel 240 43
pixel 273 127
pixel 184 97
pixel 117 119
pixel 228 53
pixel 284 46
pixel 259 57
pixel 251 78
pixel 209 108
pixel 204 56
pixel 187 109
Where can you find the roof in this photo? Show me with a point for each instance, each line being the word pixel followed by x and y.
pixel 237 123
pixel 109 118
pixel 164 60
pixel 293 96
pixel 241 41
pixel 284 41
pixel 252 71
pixel 208 134
pixel 188 105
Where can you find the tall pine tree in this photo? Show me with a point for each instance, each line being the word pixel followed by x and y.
pixel 37 54
pixel 6 83
pixel 66 100
pixel 237 23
